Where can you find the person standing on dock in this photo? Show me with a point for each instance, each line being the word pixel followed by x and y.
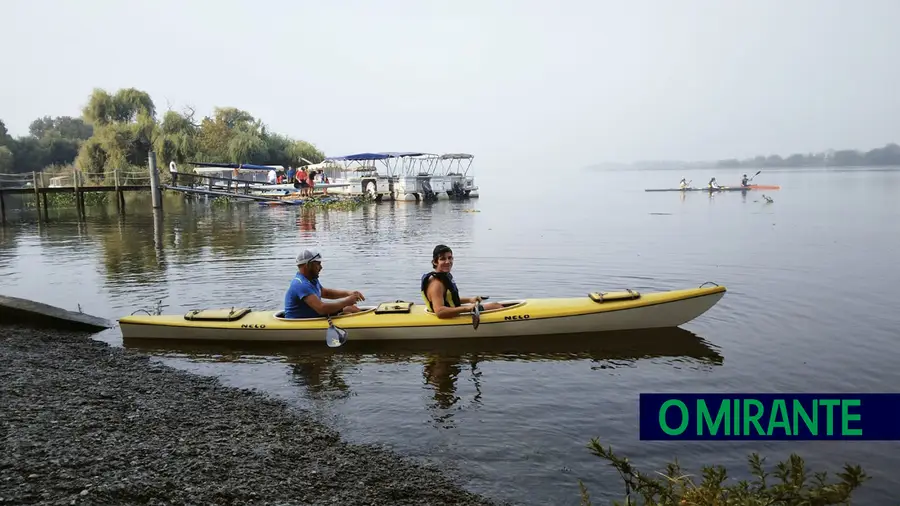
pixel 290 174
pixel 173 171
pixel 311 181
pixel 302 181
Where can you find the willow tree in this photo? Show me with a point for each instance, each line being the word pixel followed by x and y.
pixel 124 131
pixel 177 137
pixel 234 135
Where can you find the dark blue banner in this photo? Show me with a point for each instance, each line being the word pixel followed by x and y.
pixel 779 417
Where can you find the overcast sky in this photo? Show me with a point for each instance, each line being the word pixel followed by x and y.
pixel 514 82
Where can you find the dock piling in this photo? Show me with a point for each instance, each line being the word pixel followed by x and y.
pixel 118 193
pixel 75 189
pixel 37 194
pixel 155 191
pixel 80 200
pixel 44 197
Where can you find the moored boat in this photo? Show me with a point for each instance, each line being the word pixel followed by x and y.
pixel 595 312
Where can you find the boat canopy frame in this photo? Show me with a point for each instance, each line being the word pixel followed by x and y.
pixel 448 160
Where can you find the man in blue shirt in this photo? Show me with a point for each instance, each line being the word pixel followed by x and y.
pixel 304 295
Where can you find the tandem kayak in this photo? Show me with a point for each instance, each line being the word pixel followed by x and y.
pixel 399 320
pixel 719 189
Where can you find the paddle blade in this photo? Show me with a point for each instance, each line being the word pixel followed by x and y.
pixel 334 336
pixel 476 317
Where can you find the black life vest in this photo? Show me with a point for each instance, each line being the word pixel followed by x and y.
pixel 451 293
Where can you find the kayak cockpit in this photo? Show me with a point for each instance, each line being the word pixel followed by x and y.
pixel 279 315
pixel 507 304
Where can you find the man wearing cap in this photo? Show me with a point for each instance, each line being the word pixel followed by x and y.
pixel 440 292
pixel 304 296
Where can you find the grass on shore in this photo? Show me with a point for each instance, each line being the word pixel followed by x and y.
pixel 794 484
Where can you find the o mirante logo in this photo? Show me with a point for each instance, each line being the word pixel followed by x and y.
pixel 746 416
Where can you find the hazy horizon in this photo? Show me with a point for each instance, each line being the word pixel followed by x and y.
pixel 520 83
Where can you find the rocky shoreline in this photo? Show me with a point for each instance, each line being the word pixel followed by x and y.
pixel 85 423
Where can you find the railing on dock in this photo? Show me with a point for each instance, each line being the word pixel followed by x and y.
pixel 77 182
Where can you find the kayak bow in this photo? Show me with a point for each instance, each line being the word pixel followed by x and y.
pixel 595 312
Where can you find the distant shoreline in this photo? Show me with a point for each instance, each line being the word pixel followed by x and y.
pixel 683 167
pixel 883 157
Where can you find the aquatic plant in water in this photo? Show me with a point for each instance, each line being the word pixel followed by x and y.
pixel 794 485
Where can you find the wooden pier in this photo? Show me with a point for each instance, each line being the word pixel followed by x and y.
pixel 37 184
pixel 40 185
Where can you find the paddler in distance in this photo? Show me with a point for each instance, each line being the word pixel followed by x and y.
pixel 713 183
pixel 440 292
pixel 683 184
pixel 744 181
pixel 305 293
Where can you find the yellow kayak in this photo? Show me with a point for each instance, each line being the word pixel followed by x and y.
pixel 595 312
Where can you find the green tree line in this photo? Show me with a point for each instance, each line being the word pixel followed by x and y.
pixel 888 155
pixel 51 141
pixel 118 131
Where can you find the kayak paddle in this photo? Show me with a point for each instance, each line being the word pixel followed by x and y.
pixel 334 336
pixel 476 312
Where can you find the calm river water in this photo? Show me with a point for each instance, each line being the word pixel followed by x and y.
pixel 811 307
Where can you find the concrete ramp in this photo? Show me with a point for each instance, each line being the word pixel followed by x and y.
pixel 14 310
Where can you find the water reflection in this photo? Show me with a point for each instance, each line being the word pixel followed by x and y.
pixel 306 221
pixel 324 373
pixel 158 244
pixel 8 236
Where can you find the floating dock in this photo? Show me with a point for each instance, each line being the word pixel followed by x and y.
pixel 14 310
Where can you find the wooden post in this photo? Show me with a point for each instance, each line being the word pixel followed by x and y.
pixel 37 194
pixel 75 189
pixel 44 196
pixel 116 179
pixel 122 197
pixel 155 191
pixel 79 200
pixel 2 208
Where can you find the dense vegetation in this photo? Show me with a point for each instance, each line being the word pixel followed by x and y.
pixel 51 141
pixel 119 130
pixel 793 485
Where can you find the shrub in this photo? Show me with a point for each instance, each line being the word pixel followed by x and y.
pixel 794 486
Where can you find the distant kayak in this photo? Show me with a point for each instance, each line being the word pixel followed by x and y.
pixel 719 189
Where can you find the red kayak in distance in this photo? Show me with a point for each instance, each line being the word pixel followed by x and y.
pixel 762 187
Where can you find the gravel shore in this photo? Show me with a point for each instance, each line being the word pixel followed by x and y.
pixel 85 423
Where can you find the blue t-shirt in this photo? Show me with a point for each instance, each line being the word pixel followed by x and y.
pixel 294 305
